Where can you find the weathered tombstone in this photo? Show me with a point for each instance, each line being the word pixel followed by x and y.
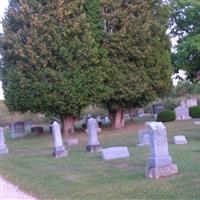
pixel 180 139
pixel 59 148
pixel 182 113
pixel 158 107
pixel 188 102
pixel 17 130
pixel 143 137
pixel 72 141
pixel 93 143
pixel 3 147
pixel 37 130
pixel 160 162
pixel 115 153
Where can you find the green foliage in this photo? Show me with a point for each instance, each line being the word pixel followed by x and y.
pixel 185 25
pixel 194 111
pixel 138 51
pixel 166 116
pixel 51 58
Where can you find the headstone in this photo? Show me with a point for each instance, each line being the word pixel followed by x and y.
pixel 158 107
pixel 182 113
pixel 59 148
pixel 93 143
pixel 72 141
pixel 160 162
pixel 115 153
pixel 17 130
pixel 3 147
pixel 143 137
pixel 37 130
pixel 197 122
pixel 180 139
pixel 189 102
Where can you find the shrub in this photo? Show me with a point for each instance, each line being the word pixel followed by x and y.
pixel 166 116
pixel 195 111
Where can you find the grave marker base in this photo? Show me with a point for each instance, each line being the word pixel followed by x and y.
pixel 160 172
pixel 94 148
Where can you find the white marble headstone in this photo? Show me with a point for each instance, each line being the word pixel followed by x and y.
pixel 92 132
pixel 72 141
pixel 182 113
pixel 3 147
pixel 180 139
pixel 115 152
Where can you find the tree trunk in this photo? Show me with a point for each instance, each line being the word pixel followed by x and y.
pixel 117 118
pixel 68 124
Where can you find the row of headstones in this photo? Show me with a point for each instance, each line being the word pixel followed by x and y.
pixel 159 163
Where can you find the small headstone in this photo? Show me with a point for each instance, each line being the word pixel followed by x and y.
pixel 59 148
pixel 17 130
pixel 3 147
pixel 143 138
pixel 182 113
pixel 37 130
pixel 160 162
pixel 72 141
pixel 180 139
pixel 197 122
pixel 115 153
pixel 158 107
pixel 93 143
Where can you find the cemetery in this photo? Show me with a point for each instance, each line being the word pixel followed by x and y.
pixel 100 100
pixel 120 170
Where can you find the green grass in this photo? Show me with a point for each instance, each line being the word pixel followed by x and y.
pixel 82 175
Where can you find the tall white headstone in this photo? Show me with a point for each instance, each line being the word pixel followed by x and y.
pixel 93 144
pixel 160 162
pixel 59 148
pixel 3 147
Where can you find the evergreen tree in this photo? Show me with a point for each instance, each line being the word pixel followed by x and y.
pixel 139 54
pixel 50 59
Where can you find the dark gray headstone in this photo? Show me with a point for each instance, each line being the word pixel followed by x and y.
pixel 158 107
pixel 17 130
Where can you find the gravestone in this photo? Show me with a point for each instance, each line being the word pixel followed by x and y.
pixel 72 141
pixel 160 162
pixel 197 122
pixel 17 130
pixel 182 113
pixel 59 148
pixel 115 153
pixel 189 102
pixel 158 107
pixel 3 147
pixel 93 143
pixel 143 137
pixel 180 139
pixel 37 130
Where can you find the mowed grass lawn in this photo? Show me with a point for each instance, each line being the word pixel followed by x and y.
pixel 83 175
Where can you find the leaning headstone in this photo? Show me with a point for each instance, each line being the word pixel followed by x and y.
pixel 3 147
pixel 72 141
pixel 160 162
pixel 180 139
pixel 93 144
pixel 143 137
pixel 182 113
pixel 59 148
pixel 115 153
pixel 17 130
